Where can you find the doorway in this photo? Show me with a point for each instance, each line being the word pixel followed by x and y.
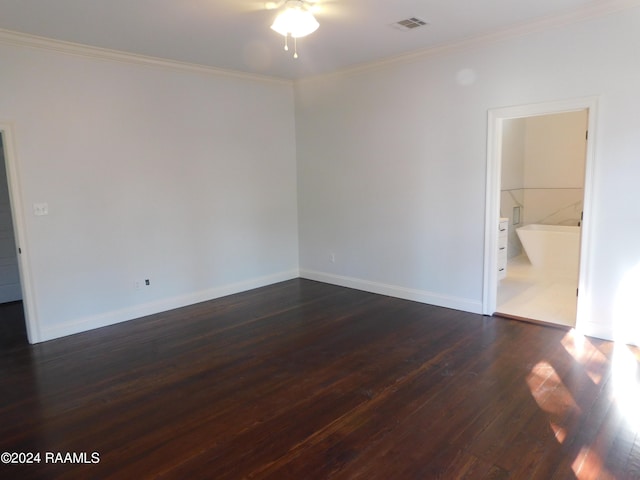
pixel 536 288
pixel 10 289
pixel 541 204
pixel 12 323
pixel 17 297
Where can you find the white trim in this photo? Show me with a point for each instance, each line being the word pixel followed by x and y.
pixel 421 296
pixel 495 118
pixel 9 37
pixel 586 231
pixel 593 10
pixel 598 330
pixel 18 218
pixel 163 305
pixel 492 212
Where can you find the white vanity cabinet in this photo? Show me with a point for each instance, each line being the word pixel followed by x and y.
pixel 503 232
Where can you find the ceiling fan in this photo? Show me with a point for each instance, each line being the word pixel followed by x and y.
pixel 295 20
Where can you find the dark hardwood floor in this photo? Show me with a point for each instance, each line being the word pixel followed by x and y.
pixel 303 380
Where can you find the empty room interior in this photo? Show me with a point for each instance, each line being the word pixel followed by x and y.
pixel 387 240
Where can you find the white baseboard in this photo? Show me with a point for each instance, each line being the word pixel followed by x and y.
pixel 137 311
pixel 603 332
pixel 609 332
pixel 421 296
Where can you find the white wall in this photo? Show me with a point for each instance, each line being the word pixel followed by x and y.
pixel 392 164
pixel 555 155
pixel 190 179
pixel 187 179
pixel 555 150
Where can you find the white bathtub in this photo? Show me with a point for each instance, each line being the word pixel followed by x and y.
pixel 551 246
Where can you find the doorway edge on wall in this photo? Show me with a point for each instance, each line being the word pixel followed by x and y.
pixel 495 118
pixel 18 219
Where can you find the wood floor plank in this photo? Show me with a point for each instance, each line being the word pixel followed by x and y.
pixel 632 466
pixel 304 380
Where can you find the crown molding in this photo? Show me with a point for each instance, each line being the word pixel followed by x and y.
pixel 9 37
pixel 594 10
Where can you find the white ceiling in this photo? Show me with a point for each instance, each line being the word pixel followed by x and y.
pixel 235 34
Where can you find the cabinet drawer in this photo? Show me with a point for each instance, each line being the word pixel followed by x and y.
pixel 502 258
pixel 502 264
pixel 502 272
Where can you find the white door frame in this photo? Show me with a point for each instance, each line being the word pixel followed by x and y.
pixel 18 218
pixel 496 118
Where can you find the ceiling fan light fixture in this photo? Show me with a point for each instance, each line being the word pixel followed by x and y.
pixel 296 20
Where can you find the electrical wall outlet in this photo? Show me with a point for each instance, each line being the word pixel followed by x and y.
pixel 138 284
pixel 40 209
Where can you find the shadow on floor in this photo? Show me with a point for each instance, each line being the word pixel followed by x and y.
pixel 13 331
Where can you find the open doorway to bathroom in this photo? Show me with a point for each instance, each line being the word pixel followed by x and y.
pixel 18 299
pixel 12 322
pixel 541 205
pixel 540 167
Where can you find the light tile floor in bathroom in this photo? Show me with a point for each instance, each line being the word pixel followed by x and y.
pixel 538 294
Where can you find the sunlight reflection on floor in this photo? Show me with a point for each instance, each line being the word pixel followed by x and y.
pixel 626 316
pixel 588 461
pixel 611 412
pixel 622 371
pixel 559 432
pixel 626 385
pixel 585 353
pixel 549 391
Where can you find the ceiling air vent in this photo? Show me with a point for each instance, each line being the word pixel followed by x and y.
pixel 409 24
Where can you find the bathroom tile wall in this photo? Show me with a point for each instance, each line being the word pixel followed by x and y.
pixel 543 171
pixel 553 206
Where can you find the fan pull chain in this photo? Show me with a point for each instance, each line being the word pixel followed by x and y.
pixel 286 43
pixel 295 47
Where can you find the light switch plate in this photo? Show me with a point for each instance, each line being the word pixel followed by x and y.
pixel 40 209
